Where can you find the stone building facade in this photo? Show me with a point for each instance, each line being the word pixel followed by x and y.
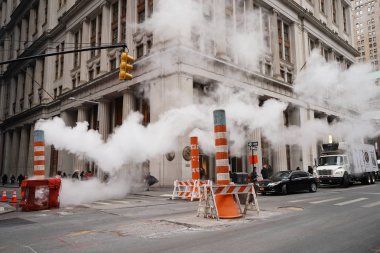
pixel 43 87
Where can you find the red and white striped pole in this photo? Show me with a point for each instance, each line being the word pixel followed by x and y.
pixel 226 205
pixel 194 158
pixel 39 154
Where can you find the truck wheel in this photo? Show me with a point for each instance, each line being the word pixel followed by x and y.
pixel 284 190
pixel 373 180
pixel 345 181
pixel 313 187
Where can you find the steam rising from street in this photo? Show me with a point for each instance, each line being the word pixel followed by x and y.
pixel 318 83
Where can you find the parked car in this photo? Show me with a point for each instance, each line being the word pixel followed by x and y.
pixel 289 181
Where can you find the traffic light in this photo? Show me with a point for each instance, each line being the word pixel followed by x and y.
pixel 126 62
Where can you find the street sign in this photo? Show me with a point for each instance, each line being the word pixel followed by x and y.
pixel 253 145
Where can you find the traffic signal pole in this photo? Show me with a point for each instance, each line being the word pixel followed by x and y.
pixel 63 52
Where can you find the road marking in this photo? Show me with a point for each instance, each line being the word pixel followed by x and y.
pixel 375 193
pixel 325 200
pixel 350 202
pixel 372 204
pixel 101 203
pixel 121 201
pixel 302 200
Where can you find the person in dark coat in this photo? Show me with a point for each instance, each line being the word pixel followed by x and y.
pixel 4 179
pixel 20 178
pixel 310 169
pixel 13 179
pixel 264 172
pixel 75 175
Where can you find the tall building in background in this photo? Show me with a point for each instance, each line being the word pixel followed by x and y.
pixel 365 15
pixel 42 88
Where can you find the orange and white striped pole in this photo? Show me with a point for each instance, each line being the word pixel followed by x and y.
pixel 39 154
pixel 221 144
pixel 226 205
pixel 194 158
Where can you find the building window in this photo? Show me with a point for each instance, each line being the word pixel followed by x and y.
pixel 150 6
pixel 77 45
pixel 56 64
pixel 62 59
pixel 113 64
pixel 60 90
pixel 140 11
pixel 36 18
pixel 334 11
pixel 344 19
pixel 268 69
pixel 323 6
pixel 46 11
pixel 93 36
pixel 91 75
pixel 114 25
pixel 140 51
pixel 100 17
pixel 284 40
pixel 55 93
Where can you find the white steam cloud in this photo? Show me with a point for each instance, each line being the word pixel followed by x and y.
pixel 188 21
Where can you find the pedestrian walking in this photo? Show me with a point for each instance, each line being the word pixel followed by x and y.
pixel 264 172
pixel 13 179
pixel 20 178
pixel 310 169
pixel 4 179
pixel 75 175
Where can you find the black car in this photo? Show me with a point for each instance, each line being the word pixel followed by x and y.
pixel 288 181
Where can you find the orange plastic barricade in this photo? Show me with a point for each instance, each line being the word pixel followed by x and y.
pixel 40 194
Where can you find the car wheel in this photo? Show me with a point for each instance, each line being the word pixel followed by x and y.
pixel 284 190
pixel 313 187
pixel 369 180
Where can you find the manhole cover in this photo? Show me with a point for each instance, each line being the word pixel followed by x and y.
pixel 291 208
pixel 14 222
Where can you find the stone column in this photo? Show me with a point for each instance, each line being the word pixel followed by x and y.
pixel 3 92
pixel 79 162
pixel 24 148
pixel 220 19
pixel 306 155
pixel 274 44
pixel 65 158
pixel 128 104
pixel 30 165
pixel 2 134
pixel 280 160
pixel 7 152
pixel 104 124
pixel 15 151
pixel 85 56
pixel 24 27
pixel 313 148
pixel 256 136
pixel 106 34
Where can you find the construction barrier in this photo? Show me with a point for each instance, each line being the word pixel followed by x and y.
pixel 209 193
pixel 40 194
pixel 188 189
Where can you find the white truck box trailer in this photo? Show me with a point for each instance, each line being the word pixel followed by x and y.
pixel 341 163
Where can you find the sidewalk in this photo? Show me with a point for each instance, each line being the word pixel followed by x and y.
pixel 155 192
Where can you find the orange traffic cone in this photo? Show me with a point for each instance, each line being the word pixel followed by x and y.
pixel 14 197
pixel 227 207
pixel 4 197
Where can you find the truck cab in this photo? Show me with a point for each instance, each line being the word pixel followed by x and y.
pixel 331 168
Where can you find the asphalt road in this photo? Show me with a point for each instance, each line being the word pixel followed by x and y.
pixel 331 220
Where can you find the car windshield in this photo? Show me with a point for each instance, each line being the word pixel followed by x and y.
pixel 281 175
pixel 330 160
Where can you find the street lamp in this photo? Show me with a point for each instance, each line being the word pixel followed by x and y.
pixel 84 100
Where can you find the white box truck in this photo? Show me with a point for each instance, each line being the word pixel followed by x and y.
pixel 341 163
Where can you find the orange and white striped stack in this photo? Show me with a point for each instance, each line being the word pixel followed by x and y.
pixel 194 158
pixel 221 145
pixel 39 154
